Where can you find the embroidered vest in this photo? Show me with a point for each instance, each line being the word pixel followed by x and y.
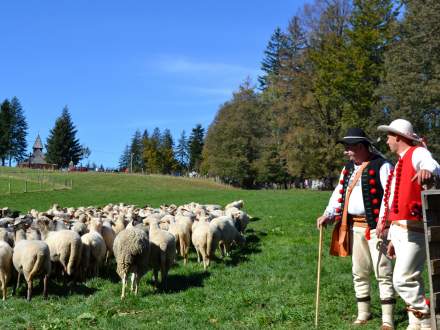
pixel 372 191
pixel 407 200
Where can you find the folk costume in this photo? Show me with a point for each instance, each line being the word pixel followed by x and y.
pixel 355 203
pixel 402 210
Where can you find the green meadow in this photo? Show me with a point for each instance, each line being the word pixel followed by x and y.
pixel 268 283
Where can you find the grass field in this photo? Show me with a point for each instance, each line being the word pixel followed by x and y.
pixel 270 283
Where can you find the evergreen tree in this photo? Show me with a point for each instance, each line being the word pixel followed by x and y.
pixel 369 34
pixel 19 132
pixel 411 88
pixel 62 145
pixel 124 160
pixel 169 164
pixel 151 152
pixel 182 151
pixel 195 147
pixel 275 54
pixel 136 147
pixel 6 130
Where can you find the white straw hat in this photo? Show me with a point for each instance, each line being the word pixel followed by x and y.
pixel 400 127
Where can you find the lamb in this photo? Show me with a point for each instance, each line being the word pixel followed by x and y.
pixel 163 251
pixel 204 241
pixel 5 266
pixel 132 251
pixel 31 258
pixel 64 247
pixel 227 232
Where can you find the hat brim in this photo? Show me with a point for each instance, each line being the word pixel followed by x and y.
pixel 389 129
pixel 352 140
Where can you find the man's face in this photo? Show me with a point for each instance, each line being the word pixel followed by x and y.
pixel 352 150
pixel 392 142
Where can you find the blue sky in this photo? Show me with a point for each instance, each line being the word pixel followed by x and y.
pixel 126 65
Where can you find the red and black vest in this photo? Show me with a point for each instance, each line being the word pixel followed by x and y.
pixel 407 200
pixel 372 191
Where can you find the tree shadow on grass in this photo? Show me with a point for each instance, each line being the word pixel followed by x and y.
pixel 178 283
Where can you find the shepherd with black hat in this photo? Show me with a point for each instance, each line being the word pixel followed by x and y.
pixel 354 208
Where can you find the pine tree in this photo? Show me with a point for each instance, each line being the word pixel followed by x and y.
pixel 169 164
pixel 411 88
pixel 137 163
pixel 151 153
pixel 124 160
pixel 275 54
pixel 6 130
pixel 62 145
pixel 195 147
pixel 182 151
pixel 19 132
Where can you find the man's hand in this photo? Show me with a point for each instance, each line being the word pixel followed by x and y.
pixel 323 221
pixel 422 176
pixel 390 250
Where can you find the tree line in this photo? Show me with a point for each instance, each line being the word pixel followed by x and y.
pixel 156 153
pixel 338 63
pixel 62 146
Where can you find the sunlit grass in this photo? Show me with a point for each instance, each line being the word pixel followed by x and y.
pixel 269 283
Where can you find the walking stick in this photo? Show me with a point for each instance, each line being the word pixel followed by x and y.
pixel 318 280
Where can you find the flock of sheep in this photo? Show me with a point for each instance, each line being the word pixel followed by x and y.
pixel 75 242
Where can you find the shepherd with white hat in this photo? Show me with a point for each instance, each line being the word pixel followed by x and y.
pixel 401 211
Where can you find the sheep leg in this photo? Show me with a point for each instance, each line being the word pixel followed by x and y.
pixel 222 249
pixel 136 284
pixel 133 279
pixel 29 291
pixel 46 277
pixel 198 255
pixel 156 278
pixel 124 283
pixel 18 281
pixel 3 280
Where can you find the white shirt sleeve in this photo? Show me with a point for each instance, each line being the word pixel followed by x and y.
pixel 385 170
pixel 422 160
pixel 333 203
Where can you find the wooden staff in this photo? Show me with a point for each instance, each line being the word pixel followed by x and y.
pixel 318 278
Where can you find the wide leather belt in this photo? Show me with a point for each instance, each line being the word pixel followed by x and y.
pixel 358 221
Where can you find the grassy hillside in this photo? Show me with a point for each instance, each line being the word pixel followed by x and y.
pixel 268 283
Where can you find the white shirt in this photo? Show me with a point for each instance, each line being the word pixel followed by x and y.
pixel 421 160
pixel 356 201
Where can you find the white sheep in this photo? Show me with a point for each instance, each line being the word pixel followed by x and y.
pixel 204 241
pixel 5 266
pixel 31 258
pixel 64 246
pixel 132 250
pixel 162 251
pixel 227 232
pixel 182 234
pixel 94 248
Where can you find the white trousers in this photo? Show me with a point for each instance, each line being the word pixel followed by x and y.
pixel 410 252
pixel 367 258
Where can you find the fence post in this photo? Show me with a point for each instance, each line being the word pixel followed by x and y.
pixel 9 185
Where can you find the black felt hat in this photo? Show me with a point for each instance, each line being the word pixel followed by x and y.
pixel 355 135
